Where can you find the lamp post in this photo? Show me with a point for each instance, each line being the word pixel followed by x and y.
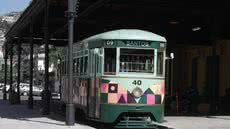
pixel 70 111
pixel 171 80
pixel 59 75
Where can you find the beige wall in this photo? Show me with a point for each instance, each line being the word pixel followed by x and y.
pixel 183 65
pixel 183 69
pixel 223 50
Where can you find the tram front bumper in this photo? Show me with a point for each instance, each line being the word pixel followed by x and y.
pixel 110 112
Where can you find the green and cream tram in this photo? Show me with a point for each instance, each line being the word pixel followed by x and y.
pixel 119 77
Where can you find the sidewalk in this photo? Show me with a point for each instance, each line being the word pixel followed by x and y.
pixel 20 117
pixel 194 122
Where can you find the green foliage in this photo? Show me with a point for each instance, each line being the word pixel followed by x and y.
pixel 55 54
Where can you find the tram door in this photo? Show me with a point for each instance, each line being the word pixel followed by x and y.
pixel 93 97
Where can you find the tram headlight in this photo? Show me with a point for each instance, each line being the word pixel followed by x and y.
pixel 137 92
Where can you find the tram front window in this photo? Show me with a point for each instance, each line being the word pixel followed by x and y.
pixel 110 61
pixel 137 60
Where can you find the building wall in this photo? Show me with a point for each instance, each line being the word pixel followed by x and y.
pixel 223 50
pixel 184 56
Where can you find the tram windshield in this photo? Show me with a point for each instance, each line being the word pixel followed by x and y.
pixel 110 61
pixel 137 60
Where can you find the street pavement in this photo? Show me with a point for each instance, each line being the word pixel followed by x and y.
pixel 205 122
pixel 20 117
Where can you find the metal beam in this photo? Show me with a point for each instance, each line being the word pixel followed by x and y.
pixel 34 8
pixel 30 99
pixel 4 89
pixel 86 12
pixel 93 7
pixel 19 73
pixel 11 75
pixel 40 39
pixel 46 95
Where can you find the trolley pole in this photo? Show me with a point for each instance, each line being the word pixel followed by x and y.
pixel 70 111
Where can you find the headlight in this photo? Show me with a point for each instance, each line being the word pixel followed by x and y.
pixel 137 92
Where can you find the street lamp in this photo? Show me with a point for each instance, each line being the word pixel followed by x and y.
pixel 171 72
pixel 171 80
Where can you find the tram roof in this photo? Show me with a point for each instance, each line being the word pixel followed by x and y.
pixel 127 34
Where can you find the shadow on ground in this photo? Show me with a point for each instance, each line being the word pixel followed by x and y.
pixel 22 113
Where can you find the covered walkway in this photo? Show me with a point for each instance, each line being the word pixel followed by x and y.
pixel 183 23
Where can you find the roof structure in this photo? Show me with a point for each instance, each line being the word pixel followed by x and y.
pixel 176 20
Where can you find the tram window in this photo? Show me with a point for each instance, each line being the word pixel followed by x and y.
pixel 78 66
pixel 74 65
pixel 137 60
pixel 86 64
pixel 160 61
pixel 110 61
pixel 81 65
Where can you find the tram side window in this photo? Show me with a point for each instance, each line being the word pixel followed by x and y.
pixel 160 61
pixel 81 65
pixel 78 66
pixel 74 65
pixel 86 64
pixel 110 61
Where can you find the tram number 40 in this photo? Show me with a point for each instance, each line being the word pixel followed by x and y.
pixel 137 82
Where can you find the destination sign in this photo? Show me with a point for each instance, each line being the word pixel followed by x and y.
pixel 132 43
pixel 138 43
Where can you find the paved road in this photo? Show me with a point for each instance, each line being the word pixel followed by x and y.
pixel 210 122
pixel 20 117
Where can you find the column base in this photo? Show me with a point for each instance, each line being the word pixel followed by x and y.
pixel 70 114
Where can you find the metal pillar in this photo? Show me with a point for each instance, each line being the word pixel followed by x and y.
pixel 4 89
pixel 11 74
pixel 215 70
pixel 213 23
pixel 70 111
pixel 46 93
pixel 30 99
pixel 171 78
pixel 19 73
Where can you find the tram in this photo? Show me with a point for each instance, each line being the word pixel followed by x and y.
pixel 118 77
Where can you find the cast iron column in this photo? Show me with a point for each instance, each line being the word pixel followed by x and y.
pixel 11 74
pixel 213 23
pixel 19 69
pixel 46 93
pixel 4 89
pixel 215 30
pixel 70 111
pixel 30 100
